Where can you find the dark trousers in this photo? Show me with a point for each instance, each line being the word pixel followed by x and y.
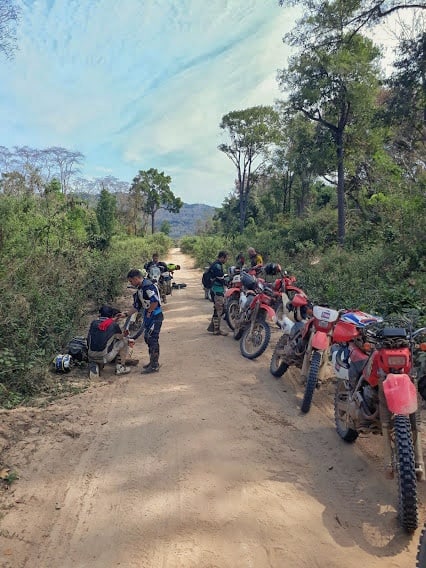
pixel 151 337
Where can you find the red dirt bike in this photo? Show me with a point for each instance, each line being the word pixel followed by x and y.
pixel 232 294
pixel 284 288
pixel 305 348
pixel 376 392
pixel 251 327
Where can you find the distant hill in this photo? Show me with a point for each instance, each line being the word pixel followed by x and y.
pixel 187 221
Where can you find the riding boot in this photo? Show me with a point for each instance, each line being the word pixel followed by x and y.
pixel 211 326
pixel 216 326
pixel 153 363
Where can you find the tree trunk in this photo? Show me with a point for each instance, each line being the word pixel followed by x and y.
pixel 152 223
pixel 340 188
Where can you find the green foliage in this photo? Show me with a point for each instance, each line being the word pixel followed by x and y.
pixel 49 278
pixel 106 214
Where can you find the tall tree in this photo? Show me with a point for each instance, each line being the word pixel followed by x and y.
pixel 106 213
pixel 151 191
pixel 333 84
pixel 252 132
pixel 9 14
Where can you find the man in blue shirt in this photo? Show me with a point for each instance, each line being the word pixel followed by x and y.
pixel 147 298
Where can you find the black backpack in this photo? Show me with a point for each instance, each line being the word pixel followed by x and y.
pixel 77 348
pixel 207 279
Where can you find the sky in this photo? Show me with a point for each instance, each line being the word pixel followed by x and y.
pixel 141 84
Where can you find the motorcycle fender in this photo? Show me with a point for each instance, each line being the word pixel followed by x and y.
pixel 269 311
pixel 400 393
pixel 231 291
pixel 320 341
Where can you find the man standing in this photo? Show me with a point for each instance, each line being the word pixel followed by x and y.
pixel 218 293
pixel 256 259
pixel 106 342
pixel 163 268
pixel 146 298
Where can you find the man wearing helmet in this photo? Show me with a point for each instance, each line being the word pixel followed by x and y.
pixel 147 299
pixel 163 268
pixel 106 342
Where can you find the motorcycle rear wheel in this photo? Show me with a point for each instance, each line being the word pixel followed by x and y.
pixel 278 366
pixel 311 382
pixel 231 312
pixel 252 345
pixel 406 473
pixel 341 412
pixel 421 550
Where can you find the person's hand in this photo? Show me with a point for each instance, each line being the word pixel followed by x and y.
pixel 125 332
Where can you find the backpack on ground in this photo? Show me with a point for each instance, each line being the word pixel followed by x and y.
pixel 207 279
pixel 77 348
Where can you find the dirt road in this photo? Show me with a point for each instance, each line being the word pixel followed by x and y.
pixel 207 464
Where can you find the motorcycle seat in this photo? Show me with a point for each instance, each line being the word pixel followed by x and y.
pixel 394 332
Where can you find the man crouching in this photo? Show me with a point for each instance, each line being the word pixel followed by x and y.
pixel 106 342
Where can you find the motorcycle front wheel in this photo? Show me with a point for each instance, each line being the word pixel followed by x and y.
pixel 134 323
pixel 341 412
pixel 278 365
pixel 231 312
pixel 254 343
pixel 406 473
pixel 311 382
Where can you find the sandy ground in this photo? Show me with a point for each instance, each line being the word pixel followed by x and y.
pixel 207 464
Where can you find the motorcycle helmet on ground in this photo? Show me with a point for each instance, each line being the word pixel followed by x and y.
pixel 62 363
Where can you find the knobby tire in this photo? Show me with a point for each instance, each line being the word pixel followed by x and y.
pixel 311 382
pixel 406 473
pixel 278 366
pixel 265 330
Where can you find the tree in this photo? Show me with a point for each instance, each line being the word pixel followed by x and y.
pixel 9 14
pixel 361 13
pixel 106 213
pixel 252 132
pixel 406 104
pixel 335 84
pixel 66 163
pixel 151 191
pixel 165 228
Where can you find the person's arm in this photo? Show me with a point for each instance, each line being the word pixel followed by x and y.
pixel 152 306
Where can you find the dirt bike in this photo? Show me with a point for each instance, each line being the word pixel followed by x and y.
pixel 232 293
pixel 284 288
pixel 305 347
pixel 376 392
pixel 251 327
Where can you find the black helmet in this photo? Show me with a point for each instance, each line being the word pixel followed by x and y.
pixel 272 268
